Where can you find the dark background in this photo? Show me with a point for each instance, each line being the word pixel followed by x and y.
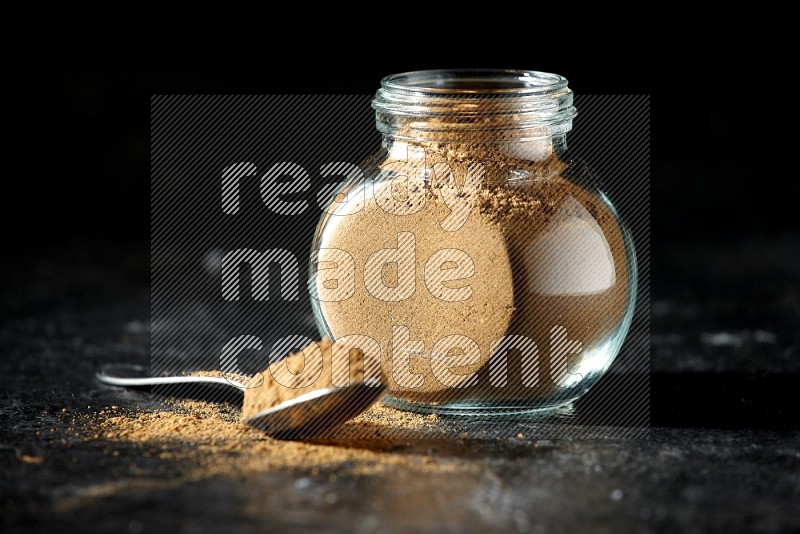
pixel 80 145
pixel 725 258
pixel 724 233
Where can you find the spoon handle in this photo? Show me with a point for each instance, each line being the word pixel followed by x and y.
pixel 128 375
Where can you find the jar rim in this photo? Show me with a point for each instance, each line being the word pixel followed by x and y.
pixel 456 104
pixel 477 82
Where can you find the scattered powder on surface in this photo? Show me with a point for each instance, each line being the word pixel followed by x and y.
pixel 208 439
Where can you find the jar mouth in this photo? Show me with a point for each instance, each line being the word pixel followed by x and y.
pixel 473 103
pixel 478 82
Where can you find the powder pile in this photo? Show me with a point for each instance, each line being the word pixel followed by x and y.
pixel 311 369
pixel 207 439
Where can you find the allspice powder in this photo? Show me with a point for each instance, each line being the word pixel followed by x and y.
pixel 311 369
pixel 204 439
pixel 548 254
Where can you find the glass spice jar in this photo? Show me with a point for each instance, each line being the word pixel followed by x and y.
pixel 477 266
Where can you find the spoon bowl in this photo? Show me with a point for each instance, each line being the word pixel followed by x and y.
pixel 312 413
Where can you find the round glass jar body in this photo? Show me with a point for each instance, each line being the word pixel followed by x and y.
pixel 480 268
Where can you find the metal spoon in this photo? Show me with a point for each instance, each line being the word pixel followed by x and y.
pixel 301 417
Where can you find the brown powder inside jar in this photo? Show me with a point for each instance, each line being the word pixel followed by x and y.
pixel 547 253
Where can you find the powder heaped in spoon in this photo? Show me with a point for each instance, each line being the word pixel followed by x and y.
pixel 313 368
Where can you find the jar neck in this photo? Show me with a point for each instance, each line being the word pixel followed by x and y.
pixel 520 111
pixel 531 149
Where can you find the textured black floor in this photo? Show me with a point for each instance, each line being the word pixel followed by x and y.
pixel 723 452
